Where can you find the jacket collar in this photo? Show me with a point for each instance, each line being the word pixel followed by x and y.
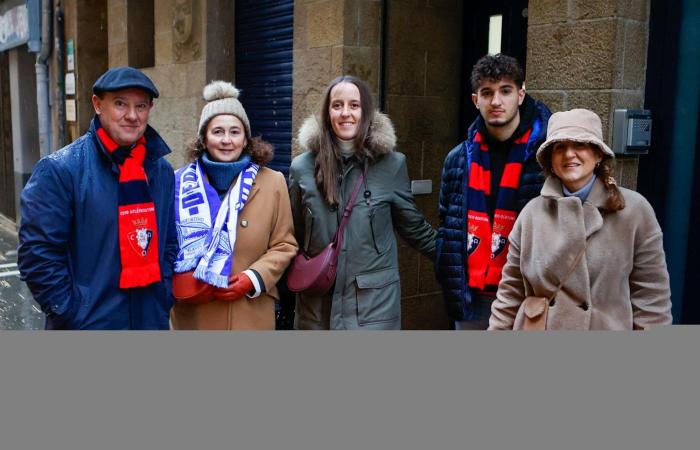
pixel 381 140
pixel 592 217
pixel 528 113
pixel 155 145
pixel 553 188
pixel 533 114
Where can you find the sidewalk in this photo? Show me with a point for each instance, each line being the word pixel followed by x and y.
pixel 18 311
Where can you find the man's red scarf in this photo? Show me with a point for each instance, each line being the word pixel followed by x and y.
pixel 487 248
pixel 138 226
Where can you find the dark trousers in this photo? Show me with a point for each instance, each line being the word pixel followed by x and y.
pixel 481 307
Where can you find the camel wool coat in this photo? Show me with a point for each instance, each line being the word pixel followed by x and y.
pixel 265 243
pixel 621 283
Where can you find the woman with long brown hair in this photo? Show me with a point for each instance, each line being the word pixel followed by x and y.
pixel 351 146
pixel 585 254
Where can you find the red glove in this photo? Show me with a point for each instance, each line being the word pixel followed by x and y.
pixel 188 289
pixel 238 285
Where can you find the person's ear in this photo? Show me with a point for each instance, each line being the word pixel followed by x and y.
pixel 97 104
pixel 598 155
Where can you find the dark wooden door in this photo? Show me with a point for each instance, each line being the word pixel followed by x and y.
pixel 477 14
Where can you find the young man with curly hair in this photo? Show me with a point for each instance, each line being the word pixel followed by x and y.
pixel 486 181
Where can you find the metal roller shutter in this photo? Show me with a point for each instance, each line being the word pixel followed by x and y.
pixel 264 33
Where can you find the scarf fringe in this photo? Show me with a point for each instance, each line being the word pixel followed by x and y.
pixel 185 266
pixel 203 274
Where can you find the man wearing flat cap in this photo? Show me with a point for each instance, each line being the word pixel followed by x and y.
pixel 97 239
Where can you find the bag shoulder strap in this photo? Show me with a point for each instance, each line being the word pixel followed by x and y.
pixel 573 267
pixel 350 204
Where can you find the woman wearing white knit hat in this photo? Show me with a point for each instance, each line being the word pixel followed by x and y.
pixel 233 221
pixel 585 254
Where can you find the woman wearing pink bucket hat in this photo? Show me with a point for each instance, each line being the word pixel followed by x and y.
pixel 585 254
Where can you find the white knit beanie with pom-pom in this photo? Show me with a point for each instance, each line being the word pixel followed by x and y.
pixel 222 98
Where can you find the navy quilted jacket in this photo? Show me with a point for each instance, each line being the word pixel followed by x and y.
pixel 451 244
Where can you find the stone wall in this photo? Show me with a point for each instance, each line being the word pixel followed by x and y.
pixel 332 38
pixel 181 62
pixel 590 54
pixel 423 99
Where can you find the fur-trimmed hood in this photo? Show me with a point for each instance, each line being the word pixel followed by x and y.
pixel 381 140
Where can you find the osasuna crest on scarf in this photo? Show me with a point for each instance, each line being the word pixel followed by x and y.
pixel 140 240
pixel 499 236
pixel 498 243
pixel 473 240
pixel 472 243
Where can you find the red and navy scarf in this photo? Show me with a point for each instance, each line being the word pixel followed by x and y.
pixel 138 227
pixel 487 246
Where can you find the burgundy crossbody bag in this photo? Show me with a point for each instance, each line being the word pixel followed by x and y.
pixel 315 275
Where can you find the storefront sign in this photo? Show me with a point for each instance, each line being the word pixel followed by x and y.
pixel 14 27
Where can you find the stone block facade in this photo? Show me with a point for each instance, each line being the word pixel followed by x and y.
pixel 590 54
pixel 421 95
pixel 183 65
pixel 180 68
pixel 332 38
pixel 422 91
pixel 179 73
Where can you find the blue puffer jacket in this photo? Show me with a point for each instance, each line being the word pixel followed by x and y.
pixel 68 242
pixel 451 244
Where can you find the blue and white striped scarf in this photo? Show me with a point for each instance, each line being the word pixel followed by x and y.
pixel 207 249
